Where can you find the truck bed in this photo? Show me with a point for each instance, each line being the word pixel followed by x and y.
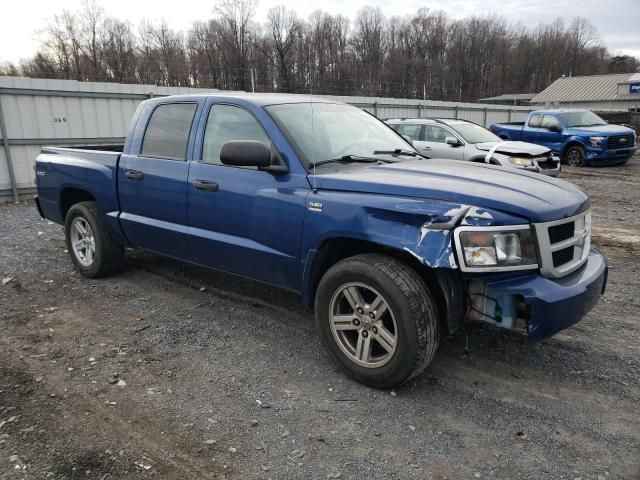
pixel 61 171
pixel 114 148
pixel 513 124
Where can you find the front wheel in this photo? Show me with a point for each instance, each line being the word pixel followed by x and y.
pixel 378 319
pixel 94 251
pixel 575 156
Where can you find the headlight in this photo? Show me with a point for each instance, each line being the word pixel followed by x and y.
pixel 523 162
pixel 596 141
pixel 496 248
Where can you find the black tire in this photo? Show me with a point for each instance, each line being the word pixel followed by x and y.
pixel 574 156
pixel 413 307
pixel 109 254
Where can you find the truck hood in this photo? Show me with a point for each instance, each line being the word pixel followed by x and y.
pixel 515 148
pixel 603 130
pixel 536 198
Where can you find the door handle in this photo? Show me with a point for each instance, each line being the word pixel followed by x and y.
pixel 133 175
pixel 426 148
pixel 205 185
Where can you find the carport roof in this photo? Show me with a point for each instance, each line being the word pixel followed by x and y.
pixel 588 88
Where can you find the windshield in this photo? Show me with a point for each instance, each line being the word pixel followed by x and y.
pixel 583 118
pixel 472 133
pixel 330 131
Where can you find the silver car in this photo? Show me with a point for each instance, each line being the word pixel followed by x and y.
pixel 463 140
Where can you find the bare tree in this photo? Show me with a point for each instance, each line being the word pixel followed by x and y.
pixel 235 37
pixel 424 55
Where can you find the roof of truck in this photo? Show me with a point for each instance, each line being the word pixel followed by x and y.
pixel 260 99
pixel 559 110
pixel 428 121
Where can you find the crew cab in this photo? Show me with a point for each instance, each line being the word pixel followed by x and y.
pixel 580 137
pixel 390 250
pixel 463 140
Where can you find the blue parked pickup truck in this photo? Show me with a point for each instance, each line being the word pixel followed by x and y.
pixel 389 249
pixel 580 137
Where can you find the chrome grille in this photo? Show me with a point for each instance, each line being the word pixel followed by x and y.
pixel 564 244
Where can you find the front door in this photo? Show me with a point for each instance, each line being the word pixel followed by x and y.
pixel 435 136
pixel 152 182
pixel 243 220
pixel 550 134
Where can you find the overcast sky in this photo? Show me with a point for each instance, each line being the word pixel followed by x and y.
pixel 617 20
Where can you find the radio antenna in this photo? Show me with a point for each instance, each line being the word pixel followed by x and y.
pixel 313 133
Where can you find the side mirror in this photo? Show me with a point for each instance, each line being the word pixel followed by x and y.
pixel 408 139
pixel 453 141
pixel 555 128
pixel 251 153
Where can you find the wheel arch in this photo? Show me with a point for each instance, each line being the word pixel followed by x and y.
pixel 445 284
pixel 69 196
pixel 572 143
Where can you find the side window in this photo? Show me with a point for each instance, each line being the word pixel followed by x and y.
pixel 410 130
pixel 550 122
pixel 535 120
pixel 226 123
pixel 167 133
pixel 434 133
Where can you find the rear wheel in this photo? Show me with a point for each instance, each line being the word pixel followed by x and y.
pixel 378 319
pixel 94 251
pixel 574 156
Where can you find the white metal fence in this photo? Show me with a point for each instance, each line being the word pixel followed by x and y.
pixel 37 112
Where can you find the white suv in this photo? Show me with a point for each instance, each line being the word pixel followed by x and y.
pixel 463 140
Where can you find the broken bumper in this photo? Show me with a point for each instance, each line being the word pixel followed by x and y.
pixel 550 305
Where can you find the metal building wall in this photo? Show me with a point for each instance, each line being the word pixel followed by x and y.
pixel 39 112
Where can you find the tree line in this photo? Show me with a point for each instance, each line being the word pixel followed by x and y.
pixel 425 55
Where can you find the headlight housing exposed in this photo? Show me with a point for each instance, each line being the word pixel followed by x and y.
pixel 496 248
pixel 523 162
pixel 596 141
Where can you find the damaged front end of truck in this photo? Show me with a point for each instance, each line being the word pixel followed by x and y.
pixel 532 278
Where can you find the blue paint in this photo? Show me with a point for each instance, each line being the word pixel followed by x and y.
pixel 271 226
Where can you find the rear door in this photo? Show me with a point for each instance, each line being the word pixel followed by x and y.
pixel 415 133
pixel 243 220
pixel 532 129
pixel 152 181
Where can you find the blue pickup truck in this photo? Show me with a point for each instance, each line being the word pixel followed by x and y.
pixel 580 137
pixel 389 249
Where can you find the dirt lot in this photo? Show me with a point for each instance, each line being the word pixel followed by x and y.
pixel 169 371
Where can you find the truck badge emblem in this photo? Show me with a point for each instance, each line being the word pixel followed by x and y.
pixel 315 206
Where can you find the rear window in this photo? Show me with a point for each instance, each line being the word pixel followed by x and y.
pixel 410 130
pixel 168 131
pixel 549 122
pixel 535 120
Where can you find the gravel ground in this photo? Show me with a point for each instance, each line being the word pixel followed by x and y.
pixel 170 371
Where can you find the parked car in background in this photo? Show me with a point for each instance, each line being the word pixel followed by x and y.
pixel 580 137
pixel 463 140
pixel 389 249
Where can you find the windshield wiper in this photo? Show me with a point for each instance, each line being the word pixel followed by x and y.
pixel 346 158
pixel 397 151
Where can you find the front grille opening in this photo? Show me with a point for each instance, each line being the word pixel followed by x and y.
pixel 548 164
pixel 620 141
pixel 562 256
pixel 559 233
